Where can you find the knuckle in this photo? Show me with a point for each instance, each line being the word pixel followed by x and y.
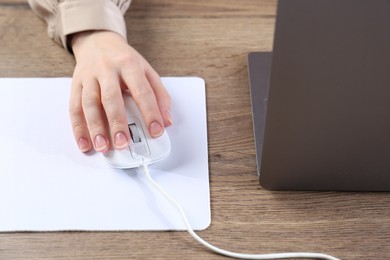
pixel 140 92
pixel 105 63
pixel 96 126
pixel 117 124
pixel 90 99
pixel 131 62
pixel 168 99
pixel 127 58
pixel 75 109
pixel 109 95
pixel 78 127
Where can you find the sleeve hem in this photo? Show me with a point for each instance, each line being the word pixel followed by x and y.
pixel 76 16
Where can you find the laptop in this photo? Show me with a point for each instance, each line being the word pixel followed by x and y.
pixel 321 99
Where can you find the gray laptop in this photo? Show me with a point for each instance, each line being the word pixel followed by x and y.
pixel 321 99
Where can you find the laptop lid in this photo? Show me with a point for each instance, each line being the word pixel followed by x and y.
pixel 327 121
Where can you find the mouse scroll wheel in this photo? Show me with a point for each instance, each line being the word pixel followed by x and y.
pixel 135 136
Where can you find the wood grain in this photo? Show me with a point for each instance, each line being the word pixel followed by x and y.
pixel 209 39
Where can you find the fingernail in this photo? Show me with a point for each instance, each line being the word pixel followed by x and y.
pixel 120 140
pixel 100 143
pixel 83 144
pixel 168 117
pixel 155 129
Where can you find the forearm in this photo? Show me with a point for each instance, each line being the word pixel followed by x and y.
pixel 67 17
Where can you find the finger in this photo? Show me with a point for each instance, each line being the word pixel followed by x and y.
pixel 79 125
pixel 112 100
pixel 162 95
pixel 94 115
pixel 144 97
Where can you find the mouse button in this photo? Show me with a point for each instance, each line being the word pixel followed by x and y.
pixel 141 149
pixel 159 147
pixel 120 158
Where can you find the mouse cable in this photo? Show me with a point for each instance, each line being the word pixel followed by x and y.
pixel 222 251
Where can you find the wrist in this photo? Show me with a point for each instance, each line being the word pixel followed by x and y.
pixel 82 42
pixel 78 41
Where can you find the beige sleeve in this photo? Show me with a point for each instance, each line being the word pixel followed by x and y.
pixel 65 17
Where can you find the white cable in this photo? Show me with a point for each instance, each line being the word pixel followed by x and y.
pixel 222 251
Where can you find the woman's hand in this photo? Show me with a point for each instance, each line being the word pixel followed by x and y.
pixel 105 66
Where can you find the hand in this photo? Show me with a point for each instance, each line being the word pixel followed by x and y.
pixel 105 66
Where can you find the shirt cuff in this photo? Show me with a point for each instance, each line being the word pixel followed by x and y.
pixel 78 16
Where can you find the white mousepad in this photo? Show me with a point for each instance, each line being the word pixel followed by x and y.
pixel 46 184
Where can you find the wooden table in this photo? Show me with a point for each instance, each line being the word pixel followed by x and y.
pixel 210 39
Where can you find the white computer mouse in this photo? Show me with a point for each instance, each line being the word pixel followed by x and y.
pixel 143 149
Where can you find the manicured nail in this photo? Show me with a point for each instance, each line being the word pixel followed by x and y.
pixel 100 143
pixel 168 118
pixel 120 140
pixel 84 144
pixel 155 129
